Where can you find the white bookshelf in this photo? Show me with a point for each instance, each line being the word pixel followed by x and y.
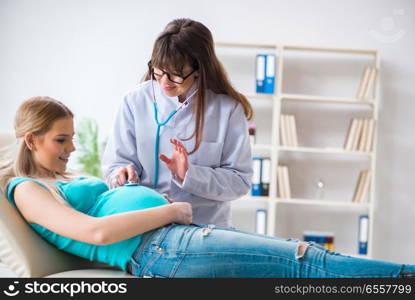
pixel 269 145
pixel 324 151
pixel 304 98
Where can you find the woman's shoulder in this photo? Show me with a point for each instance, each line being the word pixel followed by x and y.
pixel 17 180
pixel 24 183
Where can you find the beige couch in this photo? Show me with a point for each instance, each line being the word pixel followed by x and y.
pixel 27 255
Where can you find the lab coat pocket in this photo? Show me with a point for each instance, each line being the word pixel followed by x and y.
pixel 208 154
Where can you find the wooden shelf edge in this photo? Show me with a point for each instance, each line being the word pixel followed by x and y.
pixel 326 99
pixel 260 96
pixel 261 147
pixel 321 202
pixel 254 198
pixel 297 47
pixel 323 150
pixel 303 201
pixel 330 49
pixel 245 45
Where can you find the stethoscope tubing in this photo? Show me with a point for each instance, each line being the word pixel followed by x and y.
pixel 159 125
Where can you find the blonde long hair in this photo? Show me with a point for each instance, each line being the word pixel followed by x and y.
pixel 36 115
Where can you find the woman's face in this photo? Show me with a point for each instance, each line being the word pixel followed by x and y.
pixel 51 151
pixel 173 89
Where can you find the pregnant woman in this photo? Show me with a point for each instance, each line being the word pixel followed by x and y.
pixel 145 234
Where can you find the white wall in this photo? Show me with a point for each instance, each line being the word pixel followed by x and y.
pixel 89 53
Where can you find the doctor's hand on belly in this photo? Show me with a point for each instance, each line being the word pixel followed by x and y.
pixel 178 163
pixel 124 174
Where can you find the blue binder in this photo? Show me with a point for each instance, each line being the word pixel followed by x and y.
pixel 261 221
pixel 363 233
pixel 265 176
pixel 260 72
pixel 256 178
pixel 269 85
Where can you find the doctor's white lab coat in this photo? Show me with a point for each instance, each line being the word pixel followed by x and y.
pixel 219 171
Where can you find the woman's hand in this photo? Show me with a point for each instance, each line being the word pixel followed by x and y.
pixel 124 174
pixel 178 163
pixel 168 198
pixel 182 213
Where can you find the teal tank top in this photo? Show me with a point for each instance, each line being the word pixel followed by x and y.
pixel 92 197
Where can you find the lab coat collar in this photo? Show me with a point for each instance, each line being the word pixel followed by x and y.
pixel 166 104
pixel 190 91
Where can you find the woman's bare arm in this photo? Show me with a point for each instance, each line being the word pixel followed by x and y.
pixel 37 205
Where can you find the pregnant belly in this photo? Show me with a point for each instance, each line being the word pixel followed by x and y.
pixel 126 198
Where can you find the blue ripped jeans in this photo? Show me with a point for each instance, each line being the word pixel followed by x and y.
pixel 208 251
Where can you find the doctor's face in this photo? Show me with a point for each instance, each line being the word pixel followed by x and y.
pixel 175 84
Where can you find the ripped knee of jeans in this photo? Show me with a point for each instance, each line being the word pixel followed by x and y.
pixel 301 249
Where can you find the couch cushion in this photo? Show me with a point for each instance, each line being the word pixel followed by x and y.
pixel 94 273
pixel 27 254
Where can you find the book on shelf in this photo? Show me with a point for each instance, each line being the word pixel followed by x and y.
pixel 363 138
pixel 371 83
pixel 287 182
pixel 280 183
pixel 363 83
pixel 358 187
pixel 283 182
pixel 261 221
pixel 269 74
pixel 265 73
pixel 256 178
pixel 265 176
pixel 260 73
pixel 365 143
pixel 288 131
pixel 366 83
pixel 323 238
pixel 363 234
pixel 252 133
pixel 293 130
pixel 283 131
pixel 365 188
pixel 261 177
pixel 362 187
pixel 350 135
pixel 360 135
pixel 369 138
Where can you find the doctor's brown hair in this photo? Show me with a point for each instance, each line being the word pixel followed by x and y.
pixel 187 41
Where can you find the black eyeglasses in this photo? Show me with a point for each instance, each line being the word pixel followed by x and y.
pixel 172 77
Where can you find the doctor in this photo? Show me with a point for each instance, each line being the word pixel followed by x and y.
pixel 184 131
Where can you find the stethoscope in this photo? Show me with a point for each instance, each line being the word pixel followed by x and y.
pixel 161 124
